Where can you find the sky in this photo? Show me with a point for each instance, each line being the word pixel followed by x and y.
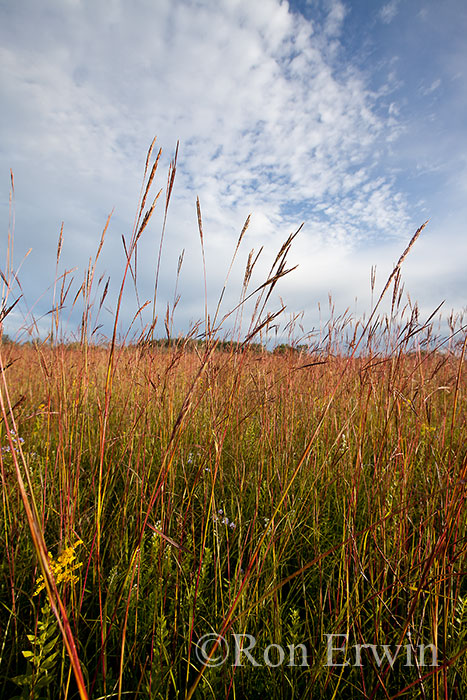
pixel 346 115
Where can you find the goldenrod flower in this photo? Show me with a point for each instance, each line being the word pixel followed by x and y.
pixel 63 568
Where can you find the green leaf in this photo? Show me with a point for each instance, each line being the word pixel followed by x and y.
pixel 50 645
pixel 48 663
pixel 22 680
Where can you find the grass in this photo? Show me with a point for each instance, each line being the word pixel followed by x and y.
pixel 205 488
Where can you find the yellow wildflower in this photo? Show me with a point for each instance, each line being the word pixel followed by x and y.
pixel 63 568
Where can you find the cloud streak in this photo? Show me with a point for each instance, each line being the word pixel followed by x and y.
pixel 389 11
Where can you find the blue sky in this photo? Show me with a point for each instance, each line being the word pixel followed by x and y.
pixel 346 115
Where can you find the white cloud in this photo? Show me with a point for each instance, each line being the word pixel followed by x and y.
pixel 335 18
pixel 389 11
pixel 223 78
pixel 427 90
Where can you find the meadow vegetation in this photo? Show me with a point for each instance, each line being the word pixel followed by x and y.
pixel 157 492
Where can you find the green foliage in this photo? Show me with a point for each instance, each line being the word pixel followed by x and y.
pixel 42 660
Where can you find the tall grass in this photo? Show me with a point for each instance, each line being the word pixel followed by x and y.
pixel 194 488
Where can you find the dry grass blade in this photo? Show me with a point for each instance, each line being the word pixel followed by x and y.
pixel 5 311
pixel 56 315
pixel 276 271
pixel 200 220
pixel 171 178
pixel 270 281
pixel 101 242
pixel 150 180
pixel 170 183
pixel 249 269
pixel 201 237
pixel 148 156
pixel 104 294
pixel 263 324
pixel 401 260
pixel 240 238
pixel 393 274
pixel 147 217
pixel 60 243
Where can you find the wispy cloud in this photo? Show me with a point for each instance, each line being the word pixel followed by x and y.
pixel 335 18
pixel 427 90
pixel 389 11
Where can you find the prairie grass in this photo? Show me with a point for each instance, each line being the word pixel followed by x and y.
pixel 195 488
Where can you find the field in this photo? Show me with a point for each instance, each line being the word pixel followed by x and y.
pixel 202 519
